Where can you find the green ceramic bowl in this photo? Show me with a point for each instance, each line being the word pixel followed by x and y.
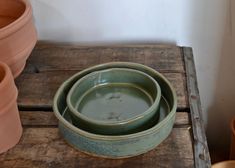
pixel 114 101
pixel 117 146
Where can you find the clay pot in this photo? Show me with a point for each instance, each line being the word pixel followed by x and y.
pixel 10 125
pixel 224 164
pixel 18 35
pixel 232 143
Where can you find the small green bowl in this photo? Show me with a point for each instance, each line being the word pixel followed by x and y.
pixel 116 146
pixel 114 101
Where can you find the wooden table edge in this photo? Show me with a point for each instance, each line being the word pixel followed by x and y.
pixel 201 151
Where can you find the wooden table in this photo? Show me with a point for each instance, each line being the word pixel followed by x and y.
pixel 50 64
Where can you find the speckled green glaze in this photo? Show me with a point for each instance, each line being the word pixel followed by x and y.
pixel 116 146
pixel 112 148
pixel 114 101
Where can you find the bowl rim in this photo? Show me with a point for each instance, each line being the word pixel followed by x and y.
pixel 94 136
pixel 147 112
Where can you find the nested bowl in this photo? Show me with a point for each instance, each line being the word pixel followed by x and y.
pixel 114 101
pixel 117 146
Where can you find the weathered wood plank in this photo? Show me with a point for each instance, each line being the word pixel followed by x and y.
pixel 61 57
pixel 49 65
pixel 182 118
pixel 44 147
pixel 38 118
pixel 38 89
pixel 201 151
pixel 42 118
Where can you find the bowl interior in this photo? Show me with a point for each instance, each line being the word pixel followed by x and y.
pixel 113 95
pixel 163 111
pixel 10 10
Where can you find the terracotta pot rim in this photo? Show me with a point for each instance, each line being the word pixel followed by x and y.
pixel 7 75
pixel 19 22
pixel 19 55
pixel 19 70
pixel 223 162
pixel 232 126
pixel 9 104
pixel 6 84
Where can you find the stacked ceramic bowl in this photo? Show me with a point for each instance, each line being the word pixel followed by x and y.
pixel 116 109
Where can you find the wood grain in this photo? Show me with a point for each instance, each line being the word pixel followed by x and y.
pixel 41 145
pixel 42 118
pixel 38 118
pixel 61 57
pixel 38 89
pixel 44 147
pixel 201 151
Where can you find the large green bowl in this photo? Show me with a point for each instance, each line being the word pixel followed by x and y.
pixel 116 146
pixel 114 101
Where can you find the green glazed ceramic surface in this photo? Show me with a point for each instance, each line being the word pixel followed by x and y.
pixel 110 147
pixel 114 101
pixel 116 146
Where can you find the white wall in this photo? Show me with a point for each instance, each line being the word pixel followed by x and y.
pixel 204 25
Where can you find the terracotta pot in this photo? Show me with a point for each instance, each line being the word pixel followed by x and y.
pixel 232 144
pixel 10 125
pixel 224 164
pixel 18 35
